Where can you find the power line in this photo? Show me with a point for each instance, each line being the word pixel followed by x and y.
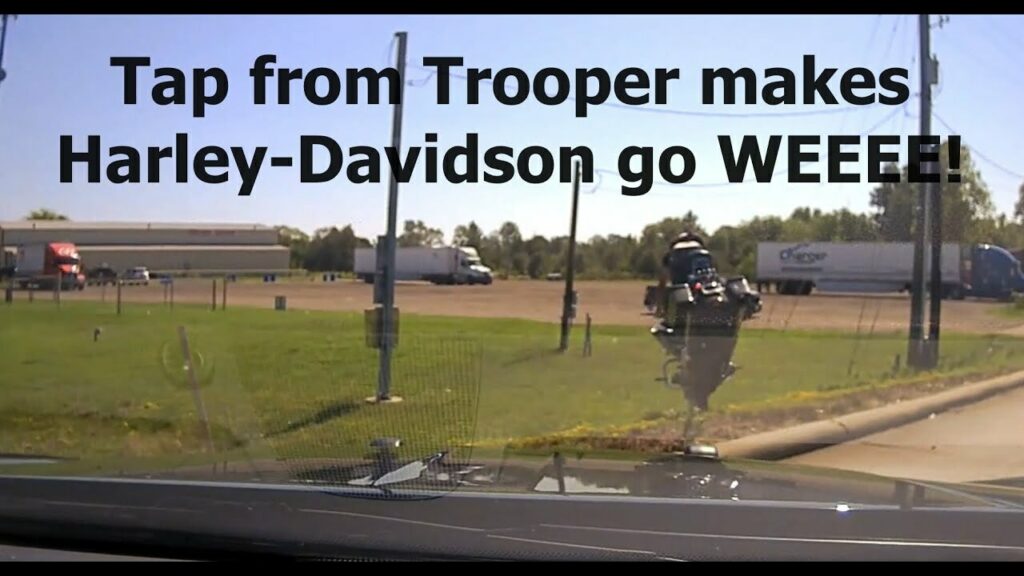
pixel 976 152
pixel 892 35
pixel 669 111
pixel 998 25
pixel 823 158
pixel 998 71
pixel 866 50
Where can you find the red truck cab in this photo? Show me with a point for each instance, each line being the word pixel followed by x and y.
pixel 42 264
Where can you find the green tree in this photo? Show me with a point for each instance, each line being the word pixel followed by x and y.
pixel 416 233
pixel 965 205
pixel 1018 208
pixel 297 242
pixel 333 250
pixel 45 214
pixel 468 235
pixel 509 241
pixel 537 256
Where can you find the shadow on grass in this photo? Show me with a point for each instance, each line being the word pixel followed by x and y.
pixel 530 356
pixel 325 414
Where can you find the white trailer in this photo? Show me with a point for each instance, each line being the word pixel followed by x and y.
pixel 440 265
pixel 799 267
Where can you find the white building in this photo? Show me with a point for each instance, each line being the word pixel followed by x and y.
pixel 161 247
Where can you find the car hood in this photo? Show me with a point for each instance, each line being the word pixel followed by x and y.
pixel 562 505
pixel 627 476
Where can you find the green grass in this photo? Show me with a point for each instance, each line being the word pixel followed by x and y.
pixel 291 384
pixel 1011 310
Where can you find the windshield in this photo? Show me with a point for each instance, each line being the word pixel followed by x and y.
pixel 515 265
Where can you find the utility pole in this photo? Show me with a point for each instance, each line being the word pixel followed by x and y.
pixel 570 268
pixel 3 42
pixel 387 336
pixel 3 74
pixel 928 79
pixel 916 344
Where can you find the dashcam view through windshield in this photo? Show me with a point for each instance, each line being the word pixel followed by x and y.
pixel 749 259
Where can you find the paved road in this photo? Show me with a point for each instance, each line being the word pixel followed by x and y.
pixel 982 441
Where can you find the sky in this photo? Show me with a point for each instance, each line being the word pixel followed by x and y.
pixel 59 82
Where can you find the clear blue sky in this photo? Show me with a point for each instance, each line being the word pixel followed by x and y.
pixel 59 82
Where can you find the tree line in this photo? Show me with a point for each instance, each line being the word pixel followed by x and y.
pixel 968 215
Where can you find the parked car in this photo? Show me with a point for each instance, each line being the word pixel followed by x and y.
pixel 101 275
pixel 137 275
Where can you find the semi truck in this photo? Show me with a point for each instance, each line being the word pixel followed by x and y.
pixel 8 261
pixel 438 265
pixel 40 265
pixel 979 270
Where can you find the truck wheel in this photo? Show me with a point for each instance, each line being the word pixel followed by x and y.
pixel 952 293
pixel 788 288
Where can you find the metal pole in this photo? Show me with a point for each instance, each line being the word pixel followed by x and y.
pixel 224 294
pixel 916 341
pixel 57 287
pixel 387 308
pixel 3 42
pixel 933 193
pixel 119 284
pixel 563 344
pixel 172 293
pixel 213 295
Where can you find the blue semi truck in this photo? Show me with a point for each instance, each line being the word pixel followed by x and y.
pixel 967 270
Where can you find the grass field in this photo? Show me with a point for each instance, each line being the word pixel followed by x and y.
pixel 291 384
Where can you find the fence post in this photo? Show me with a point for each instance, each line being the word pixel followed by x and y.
pixel 587 345
pixel 56 288
pixel 224 294
pixel 119 284
pixel 213 295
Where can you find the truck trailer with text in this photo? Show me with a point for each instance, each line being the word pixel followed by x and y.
pixel 981 270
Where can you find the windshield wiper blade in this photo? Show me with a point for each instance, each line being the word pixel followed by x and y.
pixel 387 470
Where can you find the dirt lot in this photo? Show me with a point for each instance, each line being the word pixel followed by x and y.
pixel 606 302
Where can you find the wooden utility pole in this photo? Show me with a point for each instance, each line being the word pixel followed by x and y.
pixel 570 267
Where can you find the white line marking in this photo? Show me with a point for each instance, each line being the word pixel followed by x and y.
pixel 908 543
pixel 392 519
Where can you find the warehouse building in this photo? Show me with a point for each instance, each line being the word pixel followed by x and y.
pixel 161 247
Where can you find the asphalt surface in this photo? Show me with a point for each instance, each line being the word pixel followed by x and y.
pixel 225 520
pixel 31 554
pixel 977 442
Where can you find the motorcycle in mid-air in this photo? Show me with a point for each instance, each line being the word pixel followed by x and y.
pixel 699 317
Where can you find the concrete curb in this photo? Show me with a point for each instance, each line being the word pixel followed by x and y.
pixel 787 442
